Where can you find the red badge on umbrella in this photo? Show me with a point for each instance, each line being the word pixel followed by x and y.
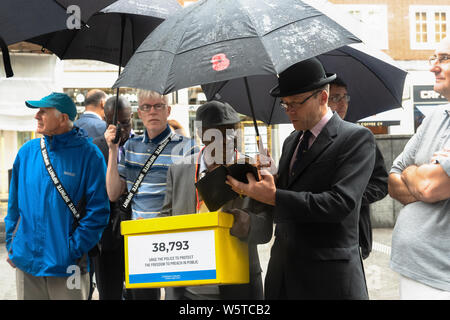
pixel 220 62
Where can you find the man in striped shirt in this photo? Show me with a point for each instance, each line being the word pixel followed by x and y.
pixel 148 200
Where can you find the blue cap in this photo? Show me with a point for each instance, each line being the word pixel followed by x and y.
pixel 60 101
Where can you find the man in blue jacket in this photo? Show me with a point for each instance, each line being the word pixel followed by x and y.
pixel 48 252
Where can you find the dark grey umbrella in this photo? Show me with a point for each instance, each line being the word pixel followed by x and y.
pixel 216 40
pixel 23 19
pixel 374 84
pixel 118 28
pixel 111 35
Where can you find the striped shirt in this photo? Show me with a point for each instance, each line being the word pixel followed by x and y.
pixel 148 200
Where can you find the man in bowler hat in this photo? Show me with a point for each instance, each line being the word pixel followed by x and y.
pixel 323 170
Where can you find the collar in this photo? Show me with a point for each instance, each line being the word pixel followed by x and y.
pixel 92 113
pixel 158 138
pixel 69 138
pixel 203 166
pixel 322 123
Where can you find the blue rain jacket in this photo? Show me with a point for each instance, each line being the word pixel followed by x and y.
pixel 40 239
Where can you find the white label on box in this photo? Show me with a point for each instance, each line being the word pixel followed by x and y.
pixel 181 256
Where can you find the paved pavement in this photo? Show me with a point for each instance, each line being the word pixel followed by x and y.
pixel 381 280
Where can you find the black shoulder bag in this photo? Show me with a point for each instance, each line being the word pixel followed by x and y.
pixel 80 210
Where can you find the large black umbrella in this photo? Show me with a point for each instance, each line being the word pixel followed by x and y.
pixel 374 84
pixel 112 35
pixel 23 19
pixel 118 28
pixel 216 40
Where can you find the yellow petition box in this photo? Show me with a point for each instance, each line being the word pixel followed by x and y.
pixel 184 250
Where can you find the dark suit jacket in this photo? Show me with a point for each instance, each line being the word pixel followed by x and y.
pixel 180 199
pixel 376 189
pixel 316 250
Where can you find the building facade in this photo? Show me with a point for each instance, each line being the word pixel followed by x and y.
pixel 408 31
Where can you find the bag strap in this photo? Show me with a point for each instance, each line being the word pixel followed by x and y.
pixel 147 166
pixel 62 192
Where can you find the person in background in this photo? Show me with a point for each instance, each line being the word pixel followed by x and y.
pixel 153 110
pixel 92 118
pixel 49 253
pixel 377 188
pixel 109 264
pixel 420 180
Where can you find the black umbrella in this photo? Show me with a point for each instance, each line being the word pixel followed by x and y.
pixel 111 35
pixel 23 19
pixel 374 84
pixel 118 28
pixel 216 40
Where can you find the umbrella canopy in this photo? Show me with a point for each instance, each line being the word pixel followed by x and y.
pixel 374 83
pixel 112 35
pixel 122 25
pixel 23 19
pixel 216 40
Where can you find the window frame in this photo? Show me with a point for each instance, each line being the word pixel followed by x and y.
pixel 430 23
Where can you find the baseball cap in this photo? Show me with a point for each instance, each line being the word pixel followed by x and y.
pixel 61 101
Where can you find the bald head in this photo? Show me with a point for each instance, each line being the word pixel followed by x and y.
pixel 95 101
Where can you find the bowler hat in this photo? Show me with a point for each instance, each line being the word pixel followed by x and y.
pixel 61 101
pixel 215 113
pixel 301 77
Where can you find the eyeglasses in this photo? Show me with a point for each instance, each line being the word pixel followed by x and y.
pixel 438 58
pixel 295 105
pixel 337 98
pixel 147 107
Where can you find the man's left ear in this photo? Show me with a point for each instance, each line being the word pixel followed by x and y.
pixel 169 108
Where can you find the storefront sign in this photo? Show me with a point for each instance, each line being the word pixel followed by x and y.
pixel 426 94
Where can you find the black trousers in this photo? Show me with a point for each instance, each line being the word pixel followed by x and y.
pixel 248 291
pixel 110 273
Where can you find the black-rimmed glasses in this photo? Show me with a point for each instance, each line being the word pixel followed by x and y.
pixel 147 107
pixel 295 105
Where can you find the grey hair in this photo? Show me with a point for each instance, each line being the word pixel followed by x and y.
pixel 59 114
pixel 149 94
